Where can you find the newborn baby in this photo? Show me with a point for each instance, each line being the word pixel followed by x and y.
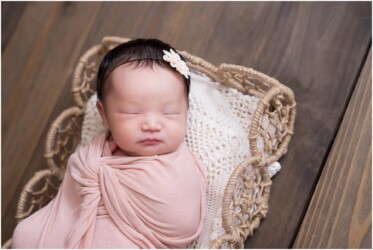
pixel 136 185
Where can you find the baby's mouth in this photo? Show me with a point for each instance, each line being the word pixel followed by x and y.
pixel 151 141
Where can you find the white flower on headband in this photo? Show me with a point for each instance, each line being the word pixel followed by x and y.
pixel 175 61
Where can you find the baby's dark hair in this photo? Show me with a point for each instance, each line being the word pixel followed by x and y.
pixel 143 52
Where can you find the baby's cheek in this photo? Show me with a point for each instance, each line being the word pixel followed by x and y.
pixel 179 131
pixel 124 130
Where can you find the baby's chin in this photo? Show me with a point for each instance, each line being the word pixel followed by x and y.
pixel 150 151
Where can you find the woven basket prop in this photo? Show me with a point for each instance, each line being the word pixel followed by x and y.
pixel 276 107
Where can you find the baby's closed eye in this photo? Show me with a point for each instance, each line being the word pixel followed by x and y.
pixel 172 113
pixel 129 113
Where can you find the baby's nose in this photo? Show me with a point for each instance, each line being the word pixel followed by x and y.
pixel 151 124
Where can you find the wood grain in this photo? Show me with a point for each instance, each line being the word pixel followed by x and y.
pixel 176 23
pixel 10 14
pixel 37 161
pixel 35 70
pixel 314 48
pixel 340 213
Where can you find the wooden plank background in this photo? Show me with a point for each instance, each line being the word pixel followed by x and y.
pixel 316 48
pixel 345 187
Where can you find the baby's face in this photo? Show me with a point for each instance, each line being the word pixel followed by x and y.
pixel 145 109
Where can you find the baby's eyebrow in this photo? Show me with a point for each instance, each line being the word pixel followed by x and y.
pixel 131 101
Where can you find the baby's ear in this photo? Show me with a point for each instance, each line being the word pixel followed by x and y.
pixel 101 110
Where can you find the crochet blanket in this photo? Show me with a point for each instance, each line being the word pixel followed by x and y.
pixel 121 202
pixel 219 120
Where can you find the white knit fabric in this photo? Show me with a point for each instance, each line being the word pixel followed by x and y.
pixel 219 119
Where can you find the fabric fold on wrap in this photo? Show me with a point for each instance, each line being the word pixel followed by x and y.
pixel 144 202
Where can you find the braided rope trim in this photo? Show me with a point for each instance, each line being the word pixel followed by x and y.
pixel 81 80
pixel 7 244
pixel 38 191
pixel 62 138
pixel 252 208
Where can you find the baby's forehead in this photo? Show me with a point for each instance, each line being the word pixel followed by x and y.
pixel 131 80
pixel 145 75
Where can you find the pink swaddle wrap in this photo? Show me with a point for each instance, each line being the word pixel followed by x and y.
pixel 121 202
